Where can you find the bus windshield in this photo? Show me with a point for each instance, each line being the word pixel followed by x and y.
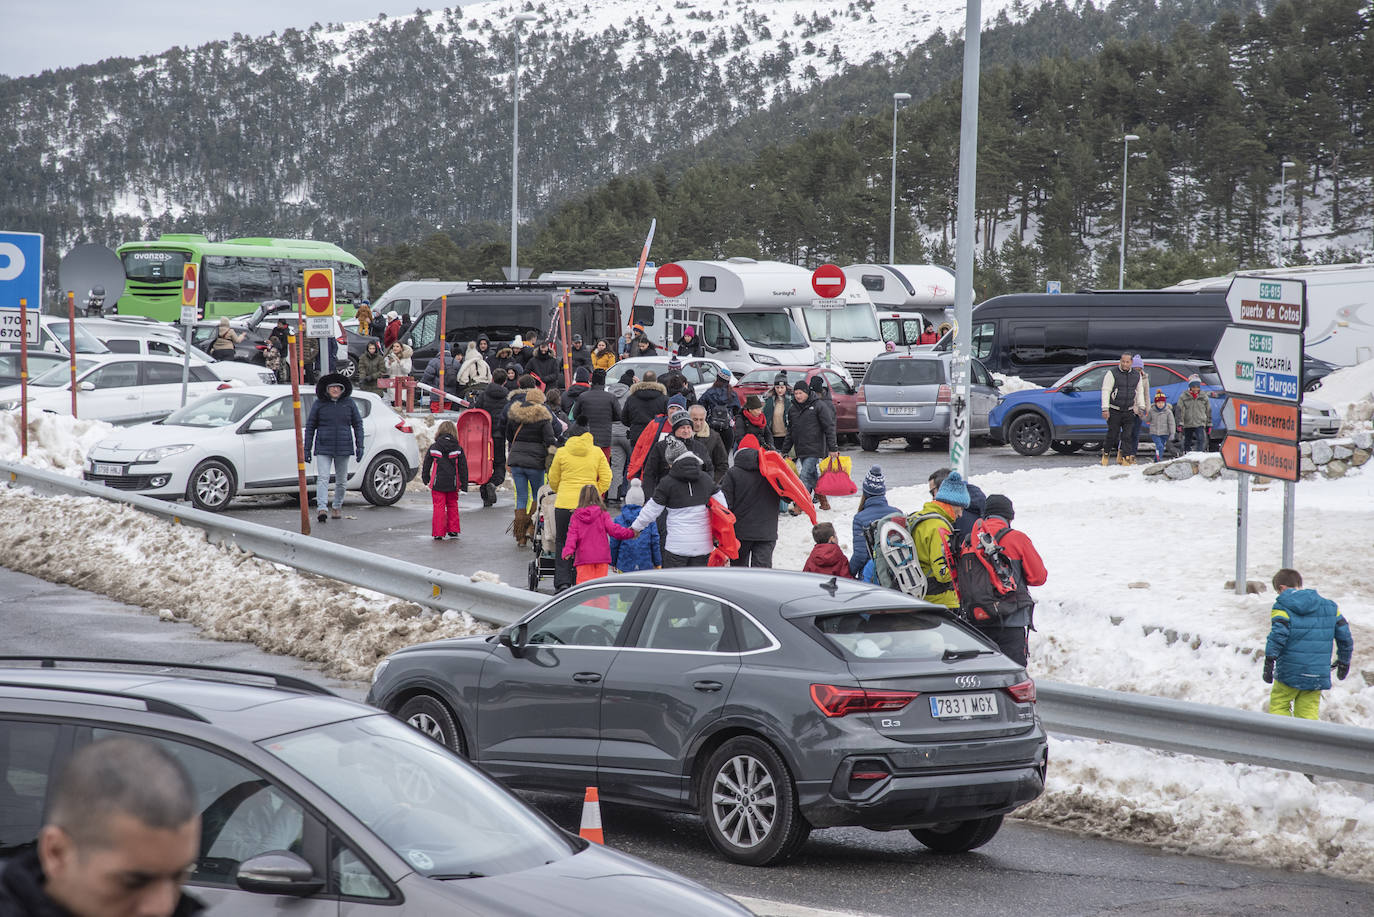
pixel 154 266
pixel 768 329
pixel 853 323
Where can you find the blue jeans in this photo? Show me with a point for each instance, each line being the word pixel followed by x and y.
pixel 809 470
pixel 322 463
pixel 1193 435
pixel 1160 443
pixel 527 483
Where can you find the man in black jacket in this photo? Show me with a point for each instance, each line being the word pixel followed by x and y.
pixel 545 364
pixel 430 376
pixel 646 400
pixel 121 835
pixel 715 447
pixel 595 410
pixel 579 355
pixel 656 464
pixel 755 505
pixel 333 433
pixel 582 380
pixel 811 437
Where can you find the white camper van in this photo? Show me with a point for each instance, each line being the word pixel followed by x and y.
pixel 905 296
pixel 409 297
pixel 1340 307
pixel 750 314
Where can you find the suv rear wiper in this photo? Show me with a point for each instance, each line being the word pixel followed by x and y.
pixel 964 654
pixel 457 875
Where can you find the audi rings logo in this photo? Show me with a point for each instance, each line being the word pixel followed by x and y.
pixel 967 681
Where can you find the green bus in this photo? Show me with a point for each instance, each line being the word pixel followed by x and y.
pixel 235 275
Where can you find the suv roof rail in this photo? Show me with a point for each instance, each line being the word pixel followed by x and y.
pixel 281 681
pixel 483 285
pixel 151 704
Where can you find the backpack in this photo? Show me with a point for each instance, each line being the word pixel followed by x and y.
pixel 718 418
pixel 991 584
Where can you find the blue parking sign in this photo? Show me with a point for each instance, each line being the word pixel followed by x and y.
pixel 21 269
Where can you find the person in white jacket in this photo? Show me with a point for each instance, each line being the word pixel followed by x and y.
pixel 398 360
pixel 474 373
pixel 684 494
pixel 1123 398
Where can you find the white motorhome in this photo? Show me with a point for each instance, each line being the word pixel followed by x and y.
pixel 905 296
pixel 1340 307
pixel 751 314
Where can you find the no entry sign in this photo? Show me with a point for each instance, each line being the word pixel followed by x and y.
pixel 670 280
pixel 319 293
pixel 828 281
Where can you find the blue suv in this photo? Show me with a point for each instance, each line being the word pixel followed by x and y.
pixel 1068 415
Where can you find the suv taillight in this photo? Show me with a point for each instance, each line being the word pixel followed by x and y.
pixel 1024 692
pixel 837 700
pixel 863 398
pixel 943 395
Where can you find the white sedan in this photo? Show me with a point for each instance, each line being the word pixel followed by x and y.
pixel 116 388
pixel 243 441
pixel 700 372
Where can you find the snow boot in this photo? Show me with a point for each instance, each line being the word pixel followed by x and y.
pixel 522 528
pixel 1105 460
pixel 823 503
pixel 1119 460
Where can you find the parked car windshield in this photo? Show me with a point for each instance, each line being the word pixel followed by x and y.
pixel 85 341
pixel 441 816
pixel 896 635
pixel 855 322
pixel 217 410
pixel 905 371
pixel 61 373
pixel 768 329
pixel 766 376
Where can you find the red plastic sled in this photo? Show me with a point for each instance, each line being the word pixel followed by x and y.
pixel 723 534
pixel 750 441
pixel 646 441
pixel 474 438
pixel 785 481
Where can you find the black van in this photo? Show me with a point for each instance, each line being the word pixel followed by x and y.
pixel 504 311
pixel 1041 336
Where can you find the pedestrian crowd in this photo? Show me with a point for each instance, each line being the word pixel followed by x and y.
pixel 1127 411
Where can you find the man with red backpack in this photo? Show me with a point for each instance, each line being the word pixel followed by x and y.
pixel 995 568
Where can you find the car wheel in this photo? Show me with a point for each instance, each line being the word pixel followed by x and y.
pixel 211 486
pixel 1029 434
pixel 385 481
pixel 749 804
pixel 1064 447
pixel 348 368
pixel 431 716
pixel 868 443
pixel 959 836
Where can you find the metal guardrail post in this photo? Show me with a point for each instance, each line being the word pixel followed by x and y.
pixel 427 586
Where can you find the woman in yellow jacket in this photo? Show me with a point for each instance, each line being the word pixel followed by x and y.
pixel 578 463
pixel 603 357
pixel 934 535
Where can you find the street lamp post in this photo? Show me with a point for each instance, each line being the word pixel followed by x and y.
pixel 1125 158
pixel 1283 187
pixel 515 144
pixel 897 99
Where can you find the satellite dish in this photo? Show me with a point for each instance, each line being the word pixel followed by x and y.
pixel 88 269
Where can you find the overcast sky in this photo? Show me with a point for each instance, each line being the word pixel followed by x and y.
pixel 40 35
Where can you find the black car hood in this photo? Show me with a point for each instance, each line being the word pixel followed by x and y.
pixel 597 881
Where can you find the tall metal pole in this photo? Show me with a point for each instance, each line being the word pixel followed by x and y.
pixel 963 268
pixel 1125 159
pixel 1242 528
pixel 515 146
pixel 71 351
pixel 1283 187
pixel 897 99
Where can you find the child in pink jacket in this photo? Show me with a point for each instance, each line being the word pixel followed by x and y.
pixel 587 543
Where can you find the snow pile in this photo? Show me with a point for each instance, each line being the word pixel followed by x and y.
pixel 56 441
pixel 130 556
pixel 1208 808
pixel 1350 390
pixel 1011 384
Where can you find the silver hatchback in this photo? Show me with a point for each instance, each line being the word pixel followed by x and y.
pixel 910 394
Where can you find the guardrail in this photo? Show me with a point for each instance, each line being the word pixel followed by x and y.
pixel 412 582
pixel 1328 749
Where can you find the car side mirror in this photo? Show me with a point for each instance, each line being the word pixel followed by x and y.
pixel 996 382
pixel 513 639
pixel 261 425
pixel 1068 388
pixel 86 386
pixel 278 872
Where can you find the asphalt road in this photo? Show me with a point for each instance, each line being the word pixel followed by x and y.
pixel 403 530
pixel 1026 870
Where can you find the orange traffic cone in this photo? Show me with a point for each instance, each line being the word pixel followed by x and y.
pixel 591 818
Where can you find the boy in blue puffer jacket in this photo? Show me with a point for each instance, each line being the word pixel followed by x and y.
pixel 873 506
pixel 1297 656
pixel 643 552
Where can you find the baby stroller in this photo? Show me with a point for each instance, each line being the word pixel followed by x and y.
pixel 545 540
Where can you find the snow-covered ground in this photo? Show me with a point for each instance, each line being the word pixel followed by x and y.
pixel 1134 602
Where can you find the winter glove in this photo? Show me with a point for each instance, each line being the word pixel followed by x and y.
pixel 1268 675
pixel 1342 670
pixel 358 456
pixel 307 458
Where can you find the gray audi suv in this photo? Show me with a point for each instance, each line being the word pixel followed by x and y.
pixel 770 703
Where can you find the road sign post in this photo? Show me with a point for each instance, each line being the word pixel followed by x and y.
pixel 1260 360
pixel 189 295
pixel 319 310
pixel 21 283
pixel 828 281
pixel 71 336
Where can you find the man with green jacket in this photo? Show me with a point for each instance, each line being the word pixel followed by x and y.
pixel 1194 412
